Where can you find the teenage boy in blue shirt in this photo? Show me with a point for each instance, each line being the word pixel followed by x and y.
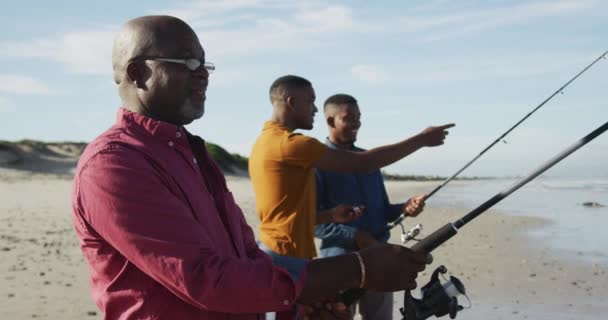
pixel 367 190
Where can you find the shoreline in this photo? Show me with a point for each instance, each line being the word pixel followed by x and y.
pixel 505 268
pixel 507 275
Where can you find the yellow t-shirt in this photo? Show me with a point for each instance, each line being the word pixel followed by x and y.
pixel 283 180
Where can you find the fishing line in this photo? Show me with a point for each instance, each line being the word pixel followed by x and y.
pixel 560 90
pixel 398 221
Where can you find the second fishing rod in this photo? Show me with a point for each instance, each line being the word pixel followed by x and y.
pixel 439 299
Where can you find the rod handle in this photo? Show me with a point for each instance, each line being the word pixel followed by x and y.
pixel 427 244
pixel 435 239
pixel 350 296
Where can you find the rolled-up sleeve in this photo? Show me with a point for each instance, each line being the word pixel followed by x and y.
pixel 337 234
pixel 127 201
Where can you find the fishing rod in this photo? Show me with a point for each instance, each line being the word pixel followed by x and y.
pixel 440 299
pixel 398 221
pixel 430 194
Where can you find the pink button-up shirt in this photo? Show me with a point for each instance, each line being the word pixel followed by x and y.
pixel 163 236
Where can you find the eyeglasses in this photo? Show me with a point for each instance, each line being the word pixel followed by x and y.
pixel 191 64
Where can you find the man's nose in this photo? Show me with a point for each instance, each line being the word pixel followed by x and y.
pixel 201 72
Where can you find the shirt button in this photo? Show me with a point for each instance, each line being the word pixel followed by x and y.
pixel 178 134
pixel 194 159
pixel 285 302
pixel 170 143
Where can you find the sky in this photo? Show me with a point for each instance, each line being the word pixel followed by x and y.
pixel 411 64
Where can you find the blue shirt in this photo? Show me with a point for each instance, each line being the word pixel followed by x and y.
pixel 353 189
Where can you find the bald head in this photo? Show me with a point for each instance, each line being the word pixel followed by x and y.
pixel 144 36
pixel 150 62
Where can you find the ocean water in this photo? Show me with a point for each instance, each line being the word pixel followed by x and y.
pixel 574 227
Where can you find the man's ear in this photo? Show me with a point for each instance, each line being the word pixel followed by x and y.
pixel 135 74
pixel 330 122
pixel 290 102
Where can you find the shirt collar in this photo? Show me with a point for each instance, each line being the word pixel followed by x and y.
pixel 271 124
pixel 155 128
pixel 332 145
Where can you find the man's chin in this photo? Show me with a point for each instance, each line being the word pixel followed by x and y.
pixel 190 113
pixel 307 126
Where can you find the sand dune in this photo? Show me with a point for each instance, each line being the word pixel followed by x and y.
pixel 62 157
pixel 36 156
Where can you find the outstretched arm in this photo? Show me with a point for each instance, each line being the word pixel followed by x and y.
pixel 376 158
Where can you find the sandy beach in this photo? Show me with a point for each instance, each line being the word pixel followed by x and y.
pixel 507 275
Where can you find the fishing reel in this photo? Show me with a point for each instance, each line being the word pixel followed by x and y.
pixel 411 234
pixel 438 299
pixel 405 236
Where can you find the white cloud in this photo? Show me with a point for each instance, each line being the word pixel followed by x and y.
pixel 466 21
pixel 84 52
pixel 330 18
pixel 18 84
pixel 241 28
pixel 490 67
pixel 272 26
pixel 507 65
pixel 234 28
pixel 369 74
pixel 202 10
pixel 253 27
